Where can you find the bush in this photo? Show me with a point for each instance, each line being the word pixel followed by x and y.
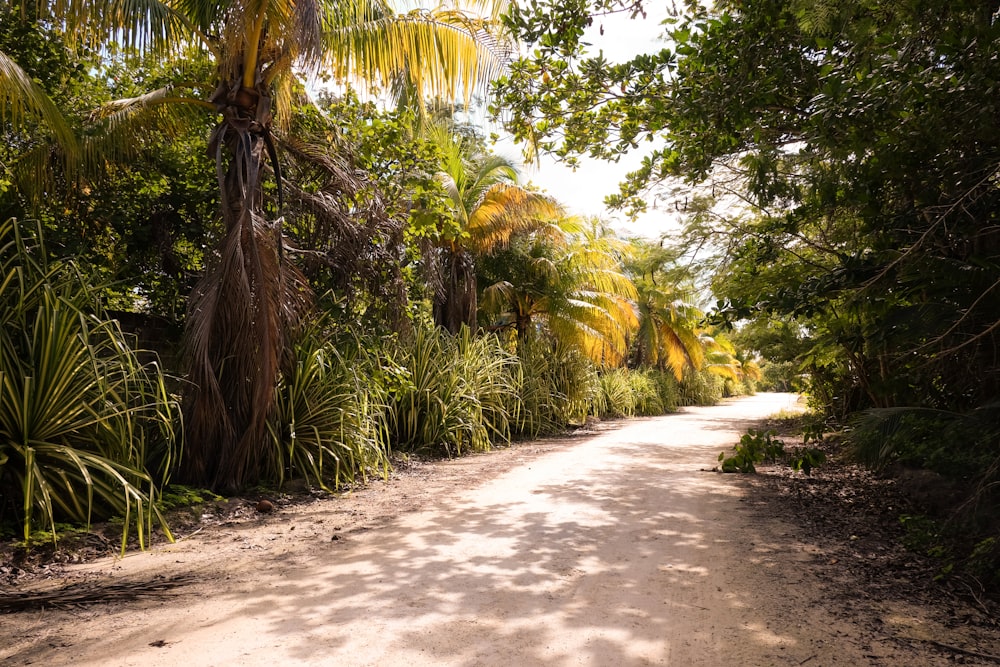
pixel 626 393
pixel 616 398
pixel 667 389
pixel 925 438
pixel 646 394
pixel 556 385
pixel 700 388
pixel 780 376
pixel 328 422
pixel 453 393
pixel 82 422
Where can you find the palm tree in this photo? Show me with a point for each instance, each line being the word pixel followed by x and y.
pixel 725 360
pixel 249 300
pixel 667 336
pixel 568 280
pixel 488 208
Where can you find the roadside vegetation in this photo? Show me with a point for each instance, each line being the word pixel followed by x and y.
pixel 244 244
pixel 215 282
pixel 837 165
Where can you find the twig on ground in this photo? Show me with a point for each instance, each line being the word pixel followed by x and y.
pixel 957 649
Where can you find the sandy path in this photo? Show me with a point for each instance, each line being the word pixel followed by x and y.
pixel 614 550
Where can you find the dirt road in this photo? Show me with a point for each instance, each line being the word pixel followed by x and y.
pixel 617 549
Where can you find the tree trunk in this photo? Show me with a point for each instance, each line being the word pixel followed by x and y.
pixel 235 325
pixel 457 303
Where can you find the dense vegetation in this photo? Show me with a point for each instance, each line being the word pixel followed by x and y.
pixel 356 278
pixel 208 276
pixel 839 161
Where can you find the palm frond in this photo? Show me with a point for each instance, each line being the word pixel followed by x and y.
pixel 22 99
pixel 442 52
pixel 147 25
pixel 505 211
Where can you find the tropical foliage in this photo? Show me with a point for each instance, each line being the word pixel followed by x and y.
pixel 459 309
pixel 838 161
pixel 452 394
pixel 328 424
pixel 488 208
pixel 667 336
pixel 568 280
pixel 87 430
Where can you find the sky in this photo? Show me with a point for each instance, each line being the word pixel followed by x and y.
pixel 582 191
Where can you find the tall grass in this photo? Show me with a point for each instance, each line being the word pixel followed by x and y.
pixel 82 421
pixel 628 393
pixel 700 388
pixel 327 426
pixel 556 385
pixel 454 393
pixel 616 398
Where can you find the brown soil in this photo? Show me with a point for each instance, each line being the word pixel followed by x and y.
pixel 613 547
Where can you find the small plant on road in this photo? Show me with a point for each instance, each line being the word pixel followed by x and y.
pixel 753 448
pixel 760 446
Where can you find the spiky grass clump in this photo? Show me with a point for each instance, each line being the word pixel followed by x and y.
pixel 628 393
pixel 700 388
pixel 557 385
pixel 454 394
pixel 327 424
pixel 81 419
pixel 616 398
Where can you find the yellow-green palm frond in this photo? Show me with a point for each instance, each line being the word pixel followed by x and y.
pixel 684 348
pixel 595 330
pixel 720 361
pixel 22 99
pixel 504 211
pixel 453 191
pixel 668 335
pixel 491 9
pixel 751 369
pixel 152 26
pixel 451 147
pixel 718 343
pixel 481 173
pixel 608 280
pixel 444 53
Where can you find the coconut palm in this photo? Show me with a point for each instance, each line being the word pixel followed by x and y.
pixel 567 280
pixel 667 336
pixel 251 297
pixel 489 208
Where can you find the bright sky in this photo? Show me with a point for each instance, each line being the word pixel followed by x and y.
pixel 583 190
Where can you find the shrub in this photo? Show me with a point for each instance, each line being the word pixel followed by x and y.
pixel 617 397
pixel 328 418
pixel 557 385
pixel 700 388
pixel 82 421
pixel 645 393
pixel 456 394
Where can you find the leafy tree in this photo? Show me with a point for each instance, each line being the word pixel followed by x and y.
pixel 859 140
